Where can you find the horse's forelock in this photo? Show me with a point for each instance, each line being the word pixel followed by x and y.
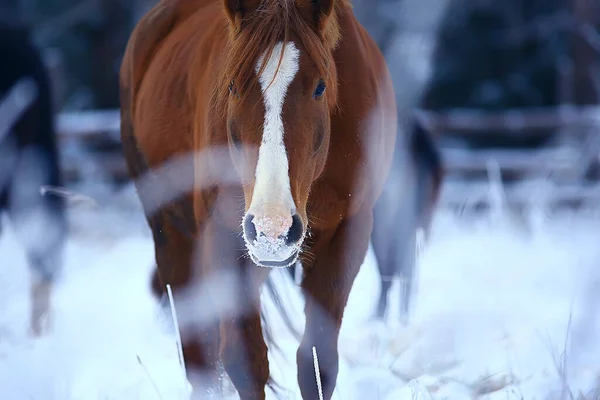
pixel 260 32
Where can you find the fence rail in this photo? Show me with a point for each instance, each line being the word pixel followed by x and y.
pixel 469 195
pixel 79 127
pixel 513 122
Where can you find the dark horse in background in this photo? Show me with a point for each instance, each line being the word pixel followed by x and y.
pixel 29 161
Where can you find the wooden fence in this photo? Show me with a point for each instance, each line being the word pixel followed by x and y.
pixel 575 130
pixel 576 150
pixel 90 145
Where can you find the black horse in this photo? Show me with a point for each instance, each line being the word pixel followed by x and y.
pixel 29 161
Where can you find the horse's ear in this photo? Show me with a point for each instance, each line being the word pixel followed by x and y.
pixel 316 12
pixel 236 10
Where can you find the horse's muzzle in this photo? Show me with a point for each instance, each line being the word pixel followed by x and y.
pixel 273 253
pixel 273 239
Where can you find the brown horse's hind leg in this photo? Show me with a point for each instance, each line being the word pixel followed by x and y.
pixel 327 283
pixel 174 256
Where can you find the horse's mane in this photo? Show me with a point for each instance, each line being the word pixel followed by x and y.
pixel 260 31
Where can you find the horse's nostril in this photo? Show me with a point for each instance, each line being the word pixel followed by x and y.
pixel 296 231
pixel 249 228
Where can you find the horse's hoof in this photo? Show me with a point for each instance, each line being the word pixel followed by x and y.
pixel 40 325
pixel 40 308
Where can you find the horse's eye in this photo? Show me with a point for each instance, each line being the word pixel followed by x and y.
pixel 320 89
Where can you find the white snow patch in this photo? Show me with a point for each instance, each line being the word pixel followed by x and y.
pixel 491 319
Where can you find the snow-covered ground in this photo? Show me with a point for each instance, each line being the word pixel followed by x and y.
pixel 501 313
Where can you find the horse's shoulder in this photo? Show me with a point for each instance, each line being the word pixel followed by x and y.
pixel 366 114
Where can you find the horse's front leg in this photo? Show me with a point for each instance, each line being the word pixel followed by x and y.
pixel 243 351
pixel 243 348
pixel 178 267
pixel 338 254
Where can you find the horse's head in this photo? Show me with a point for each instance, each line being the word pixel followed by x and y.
pixel 282 84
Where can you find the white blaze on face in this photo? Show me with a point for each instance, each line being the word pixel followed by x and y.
pixel 272 203
pixel 272 181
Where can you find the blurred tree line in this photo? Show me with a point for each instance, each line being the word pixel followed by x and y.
pixel 488 52
pixel 83 42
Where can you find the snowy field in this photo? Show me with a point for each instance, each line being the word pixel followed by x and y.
pixel 502 312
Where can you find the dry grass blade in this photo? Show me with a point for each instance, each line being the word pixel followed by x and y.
pixel 317 373
pixel 150 377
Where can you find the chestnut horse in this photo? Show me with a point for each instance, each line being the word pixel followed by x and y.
pixel 301 97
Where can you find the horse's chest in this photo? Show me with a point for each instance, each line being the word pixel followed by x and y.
pixel 328 205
